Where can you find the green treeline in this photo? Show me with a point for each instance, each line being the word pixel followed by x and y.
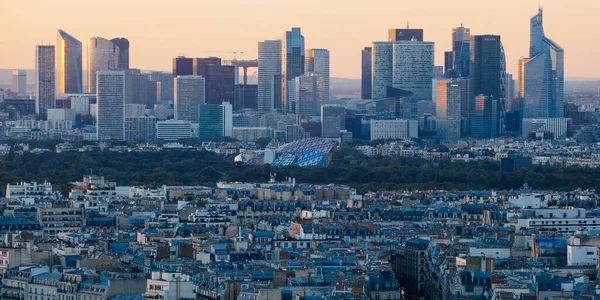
pixel 347 167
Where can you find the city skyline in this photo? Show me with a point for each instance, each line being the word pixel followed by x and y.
pixel 339 32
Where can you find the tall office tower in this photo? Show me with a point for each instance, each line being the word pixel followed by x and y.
pixel 508 102
pixel 544 74
pixel 292 64
pixel 449 64
pixel 317 62
pixel 216 121
pixel 383 53
pixel 405 34
pixel 487 78
pixel 45 80
pixel 164 86
pixel 182 66
pixel 461 40
pixel 366 74
pixel 123 45
pixel 405 65
pixel 189 95
pixel 19 82
pixel 269 75
pixel 452 95
pixel 308 89
pixel 333 120
pixel 484 117
pixel 69 64
pixel 219 79
pixel 521 78
pixel 102 55
pixel 110 105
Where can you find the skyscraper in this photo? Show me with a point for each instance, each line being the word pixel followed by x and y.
pixel 452 95
pixel 405 65
pixel 317 62
pixel 69 64
pixel 366 74
pixel 19 82
pixel 123 45
pixel 102 55
pixel 333 120
pixel 216 121
pixel 484 117
pixel 487 78
pixel 292 64
pixel 308 89
pixel 457 60
pixel 110 105
pixel 189 95
pixel 543 95
pixel 219 79
pixel 269 75
pixel 45 79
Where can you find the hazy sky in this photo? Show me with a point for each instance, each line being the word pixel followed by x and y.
pixel 161 30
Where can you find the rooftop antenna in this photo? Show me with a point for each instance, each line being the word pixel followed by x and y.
pixel 407 25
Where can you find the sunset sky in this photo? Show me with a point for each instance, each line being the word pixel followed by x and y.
pixel 161 30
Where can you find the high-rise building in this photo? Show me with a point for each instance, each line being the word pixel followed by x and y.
pixel 269 75
pixel 366 74
pixel 317 62
pixel 69 64
pixel 164 86
pixel 182 66
pixel 216 121
pixel 189 95
pixel 123 45
pixel 487 78
pixel 457 61
pixel 543 95
pixel 292 64
pixel 484 117
pixel 405 34
pixel 102 55
pixel 19 82
pixel 404 65
pixel 451 96
pixel 308 89
pixel 333 120
pixel 521 78
pixel 45 80
pixel 140 129
pixel 110 105
pixel 219 79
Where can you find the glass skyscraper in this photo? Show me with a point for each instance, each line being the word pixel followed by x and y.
pixel 69 64
pixel 216 121
pixel 366 74
pixel 102 55
pixel 292 64
pixel 123 45
pixel 317 62
pixel 269 75
pixel 543 94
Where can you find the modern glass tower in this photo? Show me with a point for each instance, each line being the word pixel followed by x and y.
pixel 216 121
pixel 102 55
pixel 450 99
pixel 543 95
pixel 45 79
pixel 110 97
pixel 69 64
pixel 292 64
pixel 269 75
pixel 367 63
pixel 123 45
pixel 317 62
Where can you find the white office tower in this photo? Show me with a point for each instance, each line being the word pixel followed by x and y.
pixel 317 62
pixel 19 82
pixel 557 126
pixel 394 129
pixel 110 106
pixel 45 79
pixel 405 65
pixel 189 95
pixel 269 74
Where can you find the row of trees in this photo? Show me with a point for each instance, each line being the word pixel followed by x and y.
pixel 347 166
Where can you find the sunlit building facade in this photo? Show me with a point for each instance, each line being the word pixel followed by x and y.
pixel 451 96
pixel 102 55
pixel 69 64
pixel 317 62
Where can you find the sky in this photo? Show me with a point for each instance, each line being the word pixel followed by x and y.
pixel 161 30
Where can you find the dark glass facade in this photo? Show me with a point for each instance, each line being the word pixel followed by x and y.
pixel 220 80
pixel 405 34
pixel 366 73
pixel 210 123
pixel 123 45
